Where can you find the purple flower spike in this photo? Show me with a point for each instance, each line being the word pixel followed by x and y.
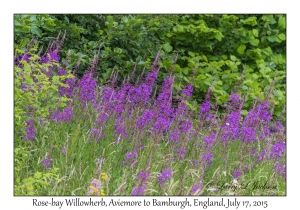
pixel 66 115
pixel 261 156
pixel 237 174
pixel 209 141
pixel 174 136
pixel 181 152
pixel 47 162
pixel 281 170
pixel 63 150
pixel 88 88
pixel 138 191
pixel 277 150
pixel 68 91
pixel 30 131
pixel 186 125
pixel 187 91
pixel 144 175
pixel 205 107
pixel 165 176
pixel 207 159
pixel 196 188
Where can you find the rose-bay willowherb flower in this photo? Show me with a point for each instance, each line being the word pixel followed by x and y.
pixel 88 88
pixel 145 119
pixel 237 174
pixel 66 115
pixel 143 176
pixel 141 185
pixel 281 170
pixel 261 157
pixel 277 150
pixel 234 102
pixel 120 129
pixel 68 91
pixel 196 188
pixel 209 140
pixel 231 127
pixel 185 125
pixel 165 176
pixel 88 85
pixel 138 191
pixel 95 188
pixel 187 91
pixel 207 159
pixel 30 131
pixel 164 107
pixel 47 162
pixel 174 136
pixel 95 134
pixel 181 153
pixel 131 158
pixel 63 150
pixel 50 57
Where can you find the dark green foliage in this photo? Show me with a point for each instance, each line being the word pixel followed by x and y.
pixel 222 43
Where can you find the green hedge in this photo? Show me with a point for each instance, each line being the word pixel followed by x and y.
pixel 222 43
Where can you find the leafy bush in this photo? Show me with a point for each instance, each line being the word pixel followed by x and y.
pixel 36 86
pixel 38 184
pixel 223 43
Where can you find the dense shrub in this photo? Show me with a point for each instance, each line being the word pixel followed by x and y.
pixel 223 43
pixel 38 82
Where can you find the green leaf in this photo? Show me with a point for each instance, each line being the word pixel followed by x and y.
pixel 281 36
pixel 244 87
pixel 233 58
pixel 282 22
pixel 169 35
pixel 255 76
pixel 110 19
pixel 17 23
pixel 191 54
pixel 141 63
pixel 167 47
pixel 208 44
pixel 33 18
pixel 213 58
pixel 241 49
pixel 254 42
pixel 272 65
pixel 271 38
pixel 25 29
pixel 36 30
pixel 224 76
pixel 250 21
pixel 244 40
pixel 23 42
pixel 178 28
pixel 255 32
pixel 38 175
pixel 244 112
pixel 278 40
pixel 219 36
pixel 271 19
pixel 219 82
pixel 224 57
